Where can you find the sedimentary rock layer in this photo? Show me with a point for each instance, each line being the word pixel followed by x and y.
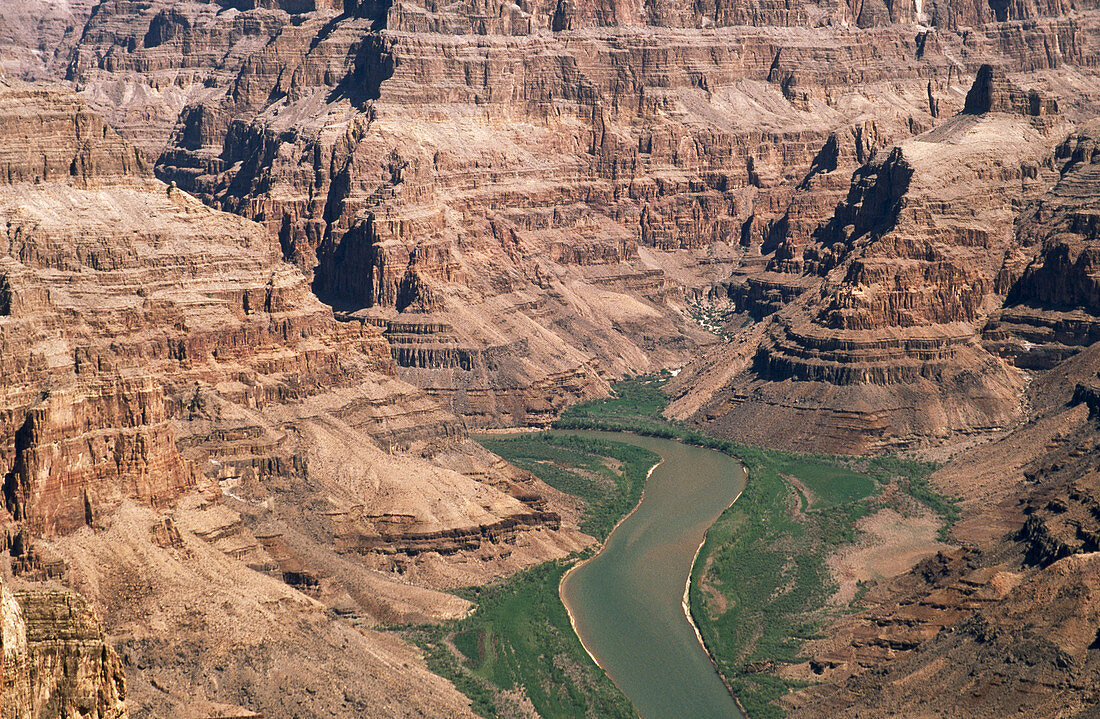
pixel 523 198
pixel 56 661
pixel 153 344
pixel 883 348
pixel 160 353
pixel 494 193
pixel 1052 303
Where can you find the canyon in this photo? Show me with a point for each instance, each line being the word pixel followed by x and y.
pixel 269 261
pixel 1003 621
pixel 170 381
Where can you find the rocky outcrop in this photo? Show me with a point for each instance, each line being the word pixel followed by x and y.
pixel 993 92
pixel 60 140
pixel 1022 643
pixel 1052 302
pixel 538 188
pixel 56 661
pixel 884 344
pixel 902 614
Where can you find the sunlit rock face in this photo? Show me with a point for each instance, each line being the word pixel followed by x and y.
pixel 523 197
pixel 884 346
pixel 170 380
pixel 248 311
pixel 56 659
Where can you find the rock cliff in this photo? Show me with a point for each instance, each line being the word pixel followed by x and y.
pixel 56 661
pixel 1051 308
pixel 524 198
pixel 160 354
pixel 871 336
pixel 157 347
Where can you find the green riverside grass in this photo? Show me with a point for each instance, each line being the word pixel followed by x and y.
pixel 579 466
pixel 760 586
pixel 519 637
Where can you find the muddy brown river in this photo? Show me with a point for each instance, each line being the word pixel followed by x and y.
pixel 628 603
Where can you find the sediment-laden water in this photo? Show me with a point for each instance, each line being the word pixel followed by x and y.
pixel 628 602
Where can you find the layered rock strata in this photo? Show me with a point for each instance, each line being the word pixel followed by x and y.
pixel 882 348
pixel 197 630
pixel 524 214
pixel 160 354
pixel 56 661
pixel 154 345
pixel 1052 303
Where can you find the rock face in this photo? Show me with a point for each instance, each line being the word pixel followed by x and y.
pixel 883 347
pixel 1052 304
pixel 56 661
pixel 180 351
pixel 198 630
pixel 38 36
pixel 160 354
pixel 523 198
pixel 993 92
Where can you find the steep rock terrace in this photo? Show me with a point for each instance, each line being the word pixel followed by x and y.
pixel 884 347
pixel 523 197
pixel 157 353
pixel 1052 306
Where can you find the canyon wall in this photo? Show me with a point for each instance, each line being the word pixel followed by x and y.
pixel 167 376
pixel 229 323
pixel 524 199
pixel 55 659
pixel 881 330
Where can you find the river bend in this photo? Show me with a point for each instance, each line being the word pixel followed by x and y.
pixel 628 604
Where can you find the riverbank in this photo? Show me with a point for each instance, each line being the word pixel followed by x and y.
pixel 581 562
pixel 517 654
pixel 763 584
pixel 628 599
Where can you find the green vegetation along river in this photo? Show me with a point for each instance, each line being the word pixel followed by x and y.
pixel 627 602
pixel 760 589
